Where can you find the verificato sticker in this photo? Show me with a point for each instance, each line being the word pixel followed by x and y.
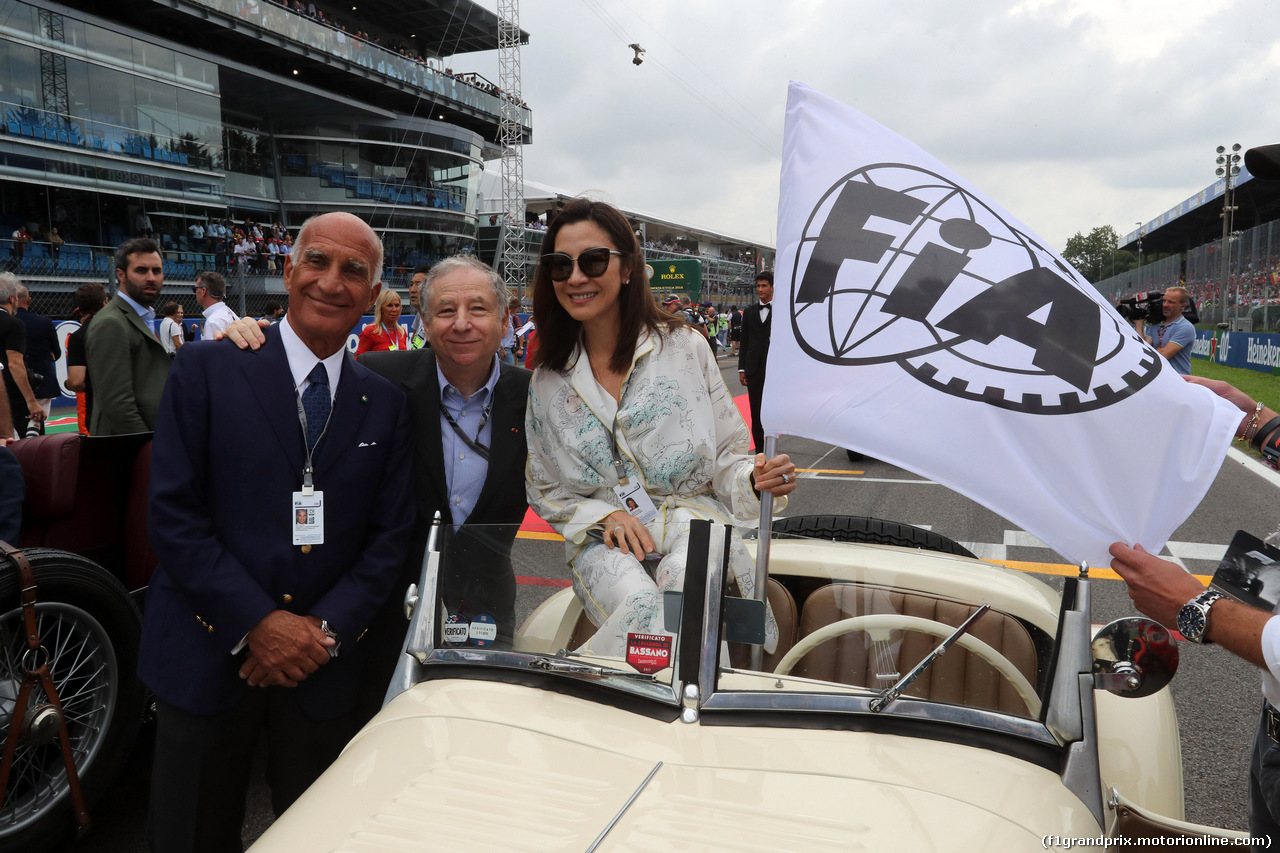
pixel 649 653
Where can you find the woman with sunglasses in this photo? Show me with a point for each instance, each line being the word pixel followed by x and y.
pixel 385 332
pixel 626 397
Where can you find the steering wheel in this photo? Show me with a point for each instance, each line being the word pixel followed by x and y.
pixel 900 622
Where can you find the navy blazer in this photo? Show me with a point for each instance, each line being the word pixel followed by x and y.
pixel 43 350
pixel 228 454
pixel 482 579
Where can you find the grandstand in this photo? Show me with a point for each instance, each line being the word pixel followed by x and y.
pixel 162 117
pixel 729 263
pixel 1191 233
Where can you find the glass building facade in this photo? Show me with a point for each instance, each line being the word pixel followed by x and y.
pixel 107 132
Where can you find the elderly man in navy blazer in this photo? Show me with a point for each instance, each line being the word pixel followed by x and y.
pixel 254 615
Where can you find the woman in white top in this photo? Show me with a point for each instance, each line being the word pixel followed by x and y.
pixel 621 385
pixel 171 328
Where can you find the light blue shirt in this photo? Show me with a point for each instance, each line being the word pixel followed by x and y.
pixel 465 469
pixel 147 314
pixel 1177 331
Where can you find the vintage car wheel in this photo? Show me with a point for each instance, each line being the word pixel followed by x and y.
pixel 876 531
pixel 899 622
pixel 90 628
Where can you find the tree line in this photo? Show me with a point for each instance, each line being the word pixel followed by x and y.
pixel 1098 256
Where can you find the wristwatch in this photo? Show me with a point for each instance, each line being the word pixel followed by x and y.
pixel 1193 618
pixel 337 643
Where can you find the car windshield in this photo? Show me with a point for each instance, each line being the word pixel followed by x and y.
pixel 849 628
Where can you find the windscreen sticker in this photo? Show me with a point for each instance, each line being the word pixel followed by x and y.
pixel 484 630
pixel 456 630
pixel 649 653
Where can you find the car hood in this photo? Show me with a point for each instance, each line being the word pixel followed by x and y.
pixel 492 767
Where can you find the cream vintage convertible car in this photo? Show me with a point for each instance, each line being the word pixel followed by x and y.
pixel 1030 729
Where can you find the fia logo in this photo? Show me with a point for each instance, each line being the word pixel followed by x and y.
pixel 899 264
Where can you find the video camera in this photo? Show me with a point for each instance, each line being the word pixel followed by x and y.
pixel 1147 306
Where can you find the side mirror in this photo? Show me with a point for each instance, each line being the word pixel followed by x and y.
pixel 1134 657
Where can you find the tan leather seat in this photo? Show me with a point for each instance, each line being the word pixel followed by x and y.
pixel 959 677
pixel 785 613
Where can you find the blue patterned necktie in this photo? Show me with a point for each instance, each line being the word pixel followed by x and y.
pixel 316 403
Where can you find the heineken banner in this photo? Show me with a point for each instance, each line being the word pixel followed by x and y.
pixel 1239 349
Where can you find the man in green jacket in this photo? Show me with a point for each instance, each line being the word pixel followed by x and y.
pixel 126 361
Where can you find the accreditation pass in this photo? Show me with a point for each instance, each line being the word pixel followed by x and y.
pixel 308 518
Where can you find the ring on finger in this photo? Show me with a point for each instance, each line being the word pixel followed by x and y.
pixel 785 479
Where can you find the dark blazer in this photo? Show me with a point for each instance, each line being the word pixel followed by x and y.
pixel 43 350
pixel 129 367
pixel 753 349
pixel 228 454
pixel 478 573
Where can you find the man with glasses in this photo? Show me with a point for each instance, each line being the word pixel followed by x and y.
pixel 125 357
pixel 211 289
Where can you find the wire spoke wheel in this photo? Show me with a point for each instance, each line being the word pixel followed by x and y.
pixel 89 631
pixel 82 661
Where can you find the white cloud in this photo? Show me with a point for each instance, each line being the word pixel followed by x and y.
pixel 1070 113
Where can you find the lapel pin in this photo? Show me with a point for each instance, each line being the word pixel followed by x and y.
pixel 364 399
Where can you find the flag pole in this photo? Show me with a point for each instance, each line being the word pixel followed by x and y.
pixel 762 548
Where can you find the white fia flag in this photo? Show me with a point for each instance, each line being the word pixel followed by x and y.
pixel 920 323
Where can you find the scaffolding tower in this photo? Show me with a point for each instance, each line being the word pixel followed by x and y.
pixel 510 137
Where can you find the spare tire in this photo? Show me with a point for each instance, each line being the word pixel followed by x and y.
pixel 90 628
pixel 876 531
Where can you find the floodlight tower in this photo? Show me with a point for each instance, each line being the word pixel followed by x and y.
pixel 510 137
pixel 1228 166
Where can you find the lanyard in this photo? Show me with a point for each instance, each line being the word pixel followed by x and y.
pixel 617 456
pixel 618 467
pixel 308 486
pixel 474 444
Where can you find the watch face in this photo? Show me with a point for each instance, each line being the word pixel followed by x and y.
pixel 1191 622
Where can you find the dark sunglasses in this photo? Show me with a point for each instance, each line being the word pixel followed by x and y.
pixel 592 262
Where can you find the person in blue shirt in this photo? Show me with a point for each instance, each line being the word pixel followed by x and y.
pixel 1172 338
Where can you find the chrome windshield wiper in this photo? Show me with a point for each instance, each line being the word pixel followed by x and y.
pixel 569 667
pixel 889 694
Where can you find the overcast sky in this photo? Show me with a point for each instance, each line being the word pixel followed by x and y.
pixel 1071 114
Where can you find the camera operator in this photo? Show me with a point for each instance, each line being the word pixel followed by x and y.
pixel 1174 337
pixel 1167 593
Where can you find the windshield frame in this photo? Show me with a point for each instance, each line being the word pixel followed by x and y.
pixel 703 686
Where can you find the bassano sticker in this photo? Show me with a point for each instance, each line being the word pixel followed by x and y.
pixel 456 630
pixel 649 653
pixel 484 630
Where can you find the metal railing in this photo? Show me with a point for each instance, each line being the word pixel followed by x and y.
pixel 1253 278
pixel 338 43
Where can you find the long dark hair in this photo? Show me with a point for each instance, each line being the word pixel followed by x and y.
pixel 558 333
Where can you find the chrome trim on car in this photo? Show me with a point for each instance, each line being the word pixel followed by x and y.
pixel 1072 715
pixel 717 566
pixel 420 637
pixel 600 838
pixel 913 709
pixel 623 680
